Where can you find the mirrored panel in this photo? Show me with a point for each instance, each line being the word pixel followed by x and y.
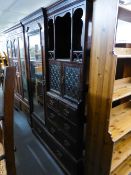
pixel 23 68
pixel 36 73
pixel 15 48
pixel 9 49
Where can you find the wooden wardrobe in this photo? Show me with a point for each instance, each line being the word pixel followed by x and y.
pixel 57 42
pixel 17 57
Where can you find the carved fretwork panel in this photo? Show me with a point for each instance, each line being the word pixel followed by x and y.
pixel 54 77
pixel 77 56
pixel 51 54
pixel 72 83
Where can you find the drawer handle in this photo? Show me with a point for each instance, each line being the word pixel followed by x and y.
pixel 59 154
pixel 51 102
pixel 66 111
pixel 66 143
pixel 66 126
pixel 52 130
pixel 39 130
pixel 52 116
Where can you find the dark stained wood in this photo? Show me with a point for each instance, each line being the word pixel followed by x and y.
pixel 65 78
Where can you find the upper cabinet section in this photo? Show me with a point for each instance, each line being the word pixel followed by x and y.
pixel 66 28
pixel 34 21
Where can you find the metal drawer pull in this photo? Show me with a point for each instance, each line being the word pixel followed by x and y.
pixel 59 153
pixel 39 130
pixel 52 130
pixel 66 143
pixel 66 111
pixel 51 102
pixel 66 126
pixel 52 115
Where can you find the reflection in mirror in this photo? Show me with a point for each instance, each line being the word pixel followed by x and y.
pixel 14 48
pixel 9 49
pixel 50 35
pixel 23 68
pixel 36 75
pixel 77 29
pixel 63 36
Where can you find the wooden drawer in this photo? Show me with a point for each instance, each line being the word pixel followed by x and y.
pixel 17 103
pixel 73 146
pixel 37 127
pixel 24 108
pixel 73 167
pixel 52 102
pixel 69 112
pixel 64 159
pixel 71 130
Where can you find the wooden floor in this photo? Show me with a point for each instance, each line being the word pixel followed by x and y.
pixel 31 157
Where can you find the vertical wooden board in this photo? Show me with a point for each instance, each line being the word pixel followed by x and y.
pixel 102 74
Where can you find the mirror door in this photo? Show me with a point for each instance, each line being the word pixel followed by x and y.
pixel 36 76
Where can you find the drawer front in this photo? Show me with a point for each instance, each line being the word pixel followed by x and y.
pixel 74 131
pixel 17 103
pixel 62 157
pixel 25 109
pixel 52 102
pixel 74 147
pixel 69 113
pixel 37 128
pixel 70 165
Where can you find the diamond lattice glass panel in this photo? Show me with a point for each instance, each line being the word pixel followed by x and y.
pixel 54 75
pixel 72 83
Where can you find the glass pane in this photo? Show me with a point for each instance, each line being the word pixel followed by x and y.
pixel 9 49
pixel 50 35
pixel 23 68
pixel 77 29
pixel 36 75
pixel 14 48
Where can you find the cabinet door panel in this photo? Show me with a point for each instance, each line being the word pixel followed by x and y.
pixel 55 77
pixel 72 83
pixel 36 76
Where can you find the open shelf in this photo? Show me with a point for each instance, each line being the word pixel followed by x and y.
pixel 120 121
pixel 124 168
pixel 122 88
pixel 122 52
pixel 123 56
pixel 122 150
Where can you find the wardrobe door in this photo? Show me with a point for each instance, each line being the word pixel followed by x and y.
pixel 23 69
pixel 36 75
